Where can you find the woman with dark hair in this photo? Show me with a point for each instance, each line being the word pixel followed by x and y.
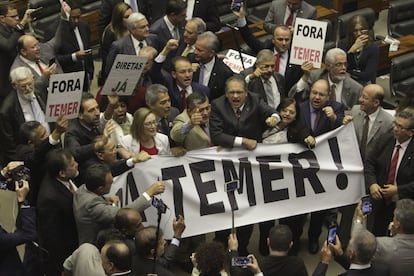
pixel 115 30
pixel 144 138
pixel 362 53
pixel 288 130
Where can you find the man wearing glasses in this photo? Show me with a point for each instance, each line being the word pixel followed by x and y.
pixel 342 88
pixel 389 171
pixel 11 28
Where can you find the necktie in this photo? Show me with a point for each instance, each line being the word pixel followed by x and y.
pixel 183 100
pixel 332 94
pixel 175 33
pixel 238 113
pixel 39 66
pixel 164 126
pixel 186 51
pixel 38 113
pixel 267 85
pixel 140 45
pixel 277 62
pixel 201 75
pixel 289 20
pixel 393 169
pixel 364 137
pixel 316 122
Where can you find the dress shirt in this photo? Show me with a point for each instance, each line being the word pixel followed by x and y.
pixel 172 28
pixel 188 90
pixel 372 118
pixel 68 184
pixel 283 61
pixel 79 41
pixel 338 88
pixel 208 67
pixel 34 66
pixel 275 91
pixel 136 43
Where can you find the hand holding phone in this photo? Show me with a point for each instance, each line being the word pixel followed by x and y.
pixel 240 261
pixel 366 205
pixel 332 234
pixel 236 5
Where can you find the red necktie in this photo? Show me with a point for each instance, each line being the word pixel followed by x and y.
pixel 289 20
pixel 392 171
pixel 238 113
pixel 39 66
pixel 332 94
pixel 183 100
pixel 277 62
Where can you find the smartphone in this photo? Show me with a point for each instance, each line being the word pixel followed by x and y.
pixel 236 5
pixel 51 61
pixel 366 205
pixel 332 234
pixel 365 32
pixel 240 261
pixel 159 204
pixel 231 186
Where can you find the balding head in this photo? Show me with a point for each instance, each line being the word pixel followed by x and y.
pixel 29 47
pixel 371 98
pixel 128 221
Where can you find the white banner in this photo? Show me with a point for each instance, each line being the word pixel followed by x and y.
pixel 234 62
pixel 275 181
pixel 308 41
pixel 64 97
pixel 124 75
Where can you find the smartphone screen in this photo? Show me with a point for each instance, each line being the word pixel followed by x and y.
pixel 240 261
pixel 366 205
pixel 332 234
pixel 236 5
pixel 51 61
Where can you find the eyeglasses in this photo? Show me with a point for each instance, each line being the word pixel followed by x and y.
pixel 150 124
pixel 400 127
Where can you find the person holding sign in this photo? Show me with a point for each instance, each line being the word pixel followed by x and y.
pixel 362 53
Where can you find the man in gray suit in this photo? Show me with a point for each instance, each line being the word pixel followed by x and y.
pixel 284 12
pixel 342 88
pixel 371 122
pixel 93 212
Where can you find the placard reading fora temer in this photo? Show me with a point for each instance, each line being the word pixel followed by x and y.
pixel 308 41
pixel 124 75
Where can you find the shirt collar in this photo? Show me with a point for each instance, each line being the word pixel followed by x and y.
pixel 359 266
pixel 169 24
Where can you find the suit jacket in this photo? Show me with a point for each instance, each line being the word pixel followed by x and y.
pixel 196 138
pixel 175 94
pixel 324 124
pixel 276 14
pixel 57 227
pixel 378 163
pixel 79 140
pixel 351 90
pixel 10 263
pixel 293 72
pixel 143 266
pixel 11 116
pixel 219 74
pixel 225 127
pixel 69 45
pixel 381 126
pixel 207 10
pixel 126 46
pixel 92 213
pixel 160 29
pixel 374 270
pixel 8 52
pixel 133 146
pixel 362 66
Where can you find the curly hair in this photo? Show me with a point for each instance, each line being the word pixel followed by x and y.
pixel 210 258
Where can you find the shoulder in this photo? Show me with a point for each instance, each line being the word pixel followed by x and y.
pixel 353 84
pixel 162 138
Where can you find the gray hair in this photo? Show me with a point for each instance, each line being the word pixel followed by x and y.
pixel 20 73
pixel 200 24
pixel 150 50
pixel 404 213
pixel 151 97
pixel 264 55
pixel 331 55
pixel 213 42
pixel 364 245
pixel 408 114
pixel 133 18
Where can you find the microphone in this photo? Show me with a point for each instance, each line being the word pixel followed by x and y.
pixel 235 28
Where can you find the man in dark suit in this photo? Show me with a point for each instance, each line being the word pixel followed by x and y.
pixel 319 115
pixel 280 45
pixel 116 258
pixel 389 171
pixel 11 28
pixel 342 87
pixel 26 103
pixel 171 26
pixel 132 44
pixel 239 118
pixel 212 71
pixel 73 50
pixel 357 261
pixel 180 83
pixel 263 80
pixel 57 227
pixel 206 10
pixel 284 12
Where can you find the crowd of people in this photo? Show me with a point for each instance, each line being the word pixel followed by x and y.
pixel 187 99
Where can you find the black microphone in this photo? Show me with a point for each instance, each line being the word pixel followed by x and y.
pixel 232 27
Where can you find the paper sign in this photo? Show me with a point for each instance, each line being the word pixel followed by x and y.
pixel 308 42
pixel 233 61
pixel 124 75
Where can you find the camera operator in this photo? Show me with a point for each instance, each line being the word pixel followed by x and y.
pixel 10 263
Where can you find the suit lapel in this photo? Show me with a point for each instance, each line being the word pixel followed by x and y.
pixel 375 126
pixel 408 155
